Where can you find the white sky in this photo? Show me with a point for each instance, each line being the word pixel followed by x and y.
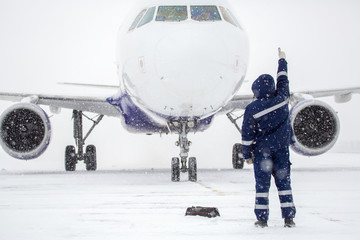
pixel 43 42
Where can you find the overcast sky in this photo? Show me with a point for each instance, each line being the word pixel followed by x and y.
pixel 43 42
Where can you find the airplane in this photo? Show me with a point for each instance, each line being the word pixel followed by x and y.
pixel 180 64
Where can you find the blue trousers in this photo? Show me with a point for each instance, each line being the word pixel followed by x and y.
pixel 277 164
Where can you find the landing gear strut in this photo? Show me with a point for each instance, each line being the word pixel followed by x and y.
pixel 183 128
pixel 237 159
pixel 89 157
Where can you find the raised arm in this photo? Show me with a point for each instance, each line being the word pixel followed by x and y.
pixel 282 85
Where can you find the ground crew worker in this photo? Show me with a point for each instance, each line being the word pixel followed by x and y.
pixel 266 136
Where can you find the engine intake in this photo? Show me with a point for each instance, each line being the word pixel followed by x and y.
pixel 24 131
pixel 316 127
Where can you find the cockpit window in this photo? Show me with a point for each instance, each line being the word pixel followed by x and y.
pixel 172 13
pixel 205 13
pixel 148 17
pixel 137 19
pixel 229 17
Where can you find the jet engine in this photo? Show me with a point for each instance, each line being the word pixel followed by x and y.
pixel 316 127
pixel 24 131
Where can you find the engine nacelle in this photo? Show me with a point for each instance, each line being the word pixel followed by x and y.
pixel 24 131
pixel 316 127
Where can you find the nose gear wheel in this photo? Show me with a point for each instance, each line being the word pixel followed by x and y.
pixel 183 128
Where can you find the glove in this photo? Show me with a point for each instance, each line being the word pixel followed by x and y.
pixel 281 54
pixel 249 161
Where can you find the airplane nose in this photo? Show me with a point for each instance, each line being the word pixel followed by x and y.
pixel 191 63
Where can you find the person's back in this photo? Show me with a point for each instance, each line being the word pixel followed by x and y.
pixel 266 136
pixel 269 114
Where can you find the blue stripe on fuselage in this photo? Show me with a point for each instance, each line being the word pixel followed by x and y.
pixel 138 121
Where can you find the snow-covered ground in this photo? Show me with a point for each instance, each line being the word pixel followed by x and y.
pixel 48 41
pixel 145 204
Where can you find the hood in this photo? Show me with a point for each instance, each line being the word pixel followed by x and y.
pixel 264 86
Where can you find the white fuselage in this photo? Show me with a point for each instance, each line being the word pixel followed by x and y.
pixel 185 69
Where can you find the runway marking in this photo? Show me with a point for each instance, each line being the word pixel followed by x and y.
pixel 210 188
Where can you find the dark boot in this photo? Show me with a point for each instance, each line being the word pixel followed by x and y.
pixel 289 223
pixel 261 224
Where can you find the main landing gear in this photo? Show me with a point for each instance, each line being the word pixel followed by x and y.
pixel 183 128
pixel 237 159
pixel 73 155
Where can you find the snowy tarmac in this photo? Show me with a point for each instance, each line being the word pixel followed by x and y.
pixel 145 204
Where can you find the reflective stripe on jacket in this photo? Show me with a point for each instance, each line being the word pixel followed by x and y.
pixel 266 123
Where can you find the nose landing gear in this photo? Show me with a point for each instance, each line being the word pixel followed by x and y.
pixel 183 128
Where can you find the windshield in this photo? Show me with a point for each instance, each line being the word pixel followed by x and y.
pixel 172 13
pixel 229 17
pixel 234 18
pixel 205 13
pixel 137 19
pixel 148 17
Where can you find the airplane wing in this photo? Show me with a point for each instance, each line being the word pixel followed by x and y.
pixel 333 92
pixel 239 102
pixel 115 87
pixel 89 104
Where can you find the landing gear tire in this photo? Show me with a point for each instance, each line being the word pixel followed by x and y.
pixel 70 159
pixel 192 169
pixel 74 155
pixel 175 170
pixel 90 158
pixel 238 162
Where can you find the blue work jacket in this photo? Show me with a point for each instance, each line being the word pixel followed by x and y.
pixel 266 125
